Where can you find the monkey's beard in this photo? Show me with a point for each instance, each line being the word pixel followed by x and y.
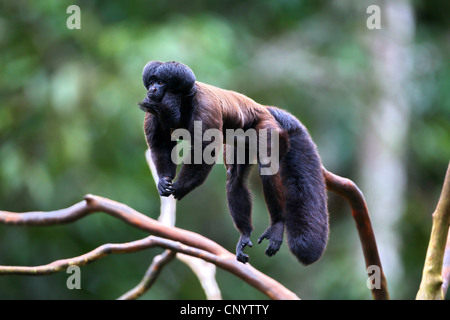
pixel 147 107
pixel 170 112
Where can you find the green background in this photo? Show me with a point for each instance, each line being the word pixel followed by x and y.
pixel 70 125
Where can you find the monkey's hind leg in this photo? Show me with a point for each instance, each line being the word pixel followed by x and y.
pixel 273 188
pixel 274 196
pixel 240 205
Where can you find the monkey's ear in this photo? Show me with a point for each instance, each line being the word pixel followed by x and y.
pixel 149 71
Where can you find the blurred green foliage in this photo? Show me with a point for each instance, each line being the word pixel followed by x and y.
pixel 70 125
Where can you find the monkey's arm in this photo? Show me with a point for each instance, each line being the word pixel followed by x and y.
pixel 161 145
pixel 191 176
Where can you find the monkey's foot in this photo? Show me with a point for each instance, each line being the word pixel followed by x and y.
pixel 244 241
pixel 275 236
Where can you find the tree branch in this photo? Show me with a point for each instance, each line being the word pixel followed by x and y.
pixel 173 238
pixel 94 255
pixel 431 286
pixel 350 191
pixel 118 210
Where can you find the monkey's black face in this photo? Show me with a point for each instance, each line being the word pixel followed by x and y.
pixel 155 94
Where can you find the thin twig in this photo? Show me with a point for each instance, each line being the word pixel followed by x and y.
pixel 150 276
pixel 94 255
pixel 350 191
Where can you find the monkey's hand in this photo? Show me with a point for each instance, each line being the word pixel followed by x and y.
pixel 165 187
pixel 180 190
pixel 275 236
pixel 244 241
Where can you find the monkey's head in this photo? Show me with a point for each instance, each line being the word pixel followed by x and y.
pixel 167 84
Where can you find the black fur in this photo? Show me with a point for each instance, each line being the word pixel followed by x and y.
pixel 306 206
pixel 178 76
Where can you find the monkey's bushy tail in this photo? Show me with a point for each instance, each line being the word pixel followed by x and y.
pixel 306 217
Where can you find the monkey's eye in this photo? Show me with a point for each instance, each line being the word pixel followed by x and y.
pixel 160 83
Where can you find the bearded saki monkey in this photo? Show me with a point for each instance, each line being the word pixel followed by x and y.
pixel 295 195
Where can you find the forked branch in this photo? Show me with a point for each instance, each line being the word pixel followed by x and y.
pixel 173 238
pixel 150 276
